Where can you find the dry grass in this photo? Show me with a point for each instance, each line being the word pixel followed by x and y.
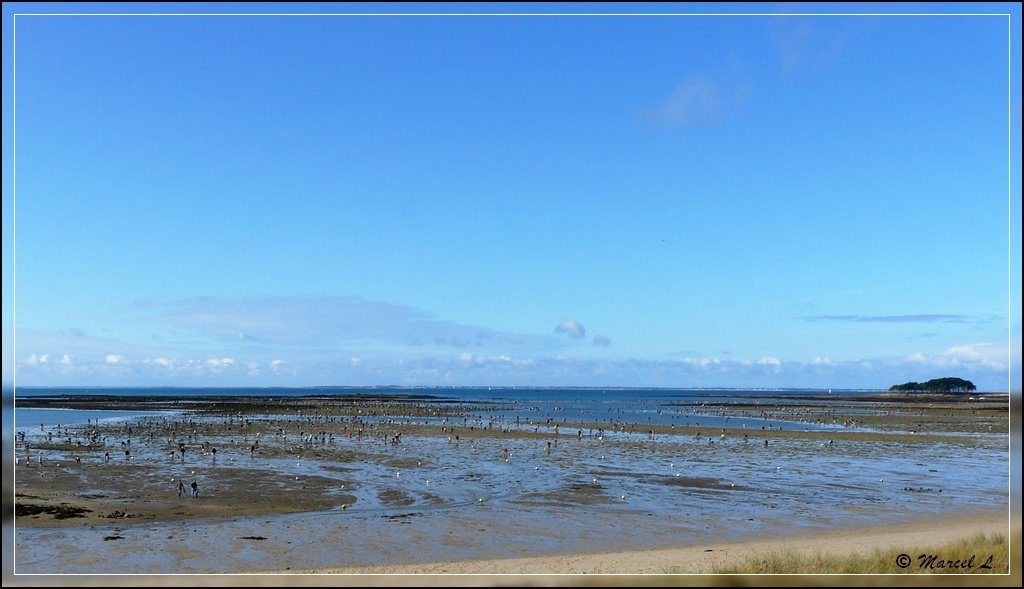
pixel 990 555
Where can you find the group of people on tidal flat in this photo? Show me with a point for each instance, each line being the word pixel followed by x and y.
pixel 182 491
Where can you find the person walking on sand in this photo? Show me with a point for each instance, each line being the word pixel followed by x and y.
pixel 181 488
pixel 195 489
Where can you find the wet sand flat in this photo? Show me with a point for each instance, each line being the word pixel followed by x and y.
pixel 319 484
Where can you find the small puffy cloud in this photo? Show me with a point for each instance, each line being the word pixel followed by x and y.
pixel 164 362
pixel 220 362
pixel 600 340
pixel 66 360
pixel 115 359
pixel 32 360
pixel 281 367
pixel 574 329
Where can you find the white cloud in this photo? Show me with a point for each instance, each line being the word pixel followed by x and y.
pixel 974 354
pixel 498 361
pixel 66 360
pixel 574 329
pixel 44 358
pixel 220 362
pixel 700 362
pixel 806 44
pixel 281 367
pixel 367 362
pixel 984 354
pixel 969 356
pixel 771 361
pixel 693 102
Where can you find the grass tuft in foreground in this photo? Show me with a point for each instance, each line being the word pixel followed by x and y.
pixel 990 555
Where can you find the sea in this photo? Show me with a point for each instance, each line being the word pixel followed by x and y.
pixel 633 405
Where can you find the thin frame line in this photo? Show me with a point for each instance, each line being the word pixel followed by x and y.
pixel 1009 163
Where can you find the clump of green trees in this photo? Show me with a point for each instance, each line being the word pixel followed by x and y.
pixel 936 385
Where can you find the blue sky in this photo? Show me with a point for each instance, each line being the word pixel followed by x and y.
pixel 622 201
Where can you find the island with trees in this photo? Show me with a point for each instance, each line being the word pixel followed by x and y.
pixel 936 385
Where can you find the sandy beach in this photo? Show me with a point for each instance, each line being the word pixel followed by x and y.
pixel 703 559
pixel 623 568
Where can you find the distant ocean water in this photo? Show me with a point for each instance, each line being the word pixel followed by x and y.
pixel 652 406
pixel 452 393
pixel 595 403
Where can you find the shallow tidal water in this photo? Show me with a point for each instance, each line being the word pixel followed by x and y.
pixel 601 491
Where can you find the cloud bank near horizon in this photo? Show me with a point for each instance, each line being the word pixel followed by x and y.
pixel 984 363
pixel 305 341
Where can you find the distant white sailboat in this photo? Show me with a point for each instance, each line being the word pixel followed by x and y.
pixel 830 390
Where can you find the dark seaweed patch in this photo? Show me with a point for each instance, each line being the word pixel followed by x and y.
pixel 62 511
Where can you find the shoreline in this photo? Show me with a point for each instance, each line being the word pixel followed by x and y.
pixel 699 559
